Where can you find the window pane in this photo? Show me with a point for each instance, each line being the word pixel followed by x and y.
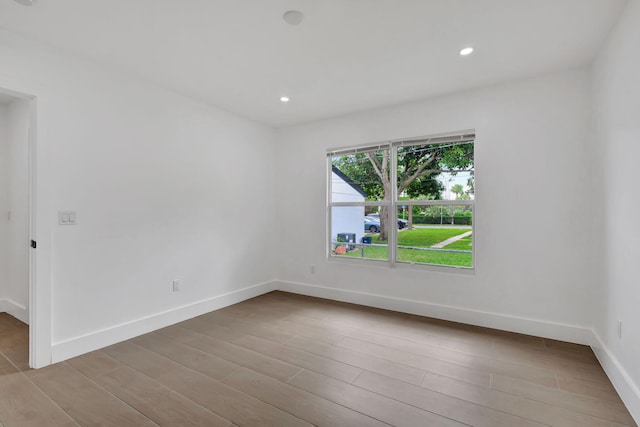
pixel 360 177
pixel 427 172
pixel 358 232
pixel 439 235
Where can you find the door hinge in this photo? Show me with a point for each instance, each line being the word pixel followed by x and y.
pixel 33 244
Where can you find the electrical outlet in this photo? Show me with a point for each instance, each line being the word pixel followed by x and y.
pixel 312 269
pixel 620 329
pixel 176 285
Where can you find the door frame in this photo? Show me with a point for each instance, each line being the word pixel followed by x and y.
pixel 40 229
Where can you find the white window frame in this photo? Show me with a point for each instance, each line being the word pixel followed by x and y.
pixel 391 200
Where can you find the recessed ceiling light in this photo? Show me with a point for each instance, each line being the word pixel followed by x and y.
pixel 466 51
pixel 284 99
pixel 25 2
pixel 293 17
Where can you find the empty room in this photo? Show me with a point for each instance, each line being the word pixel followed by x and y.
pixel 332 213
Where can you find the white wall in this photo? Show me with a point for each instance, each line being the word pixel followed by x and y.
pixel 164 187
pixel 532 208
pixel 616 154
pixel 4 205
pixel 17 290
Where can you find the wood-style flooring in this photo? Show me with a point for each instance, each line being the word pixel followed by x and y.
pixel 287 360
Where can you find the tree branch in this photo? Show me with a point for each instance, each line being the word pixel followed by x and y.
pixel 376 166
pixel 419 172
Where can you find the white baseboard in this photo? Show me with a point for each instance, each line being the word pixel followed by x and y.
pixel 522 325
pixel 13 308
pixel 83 344
pixel 624 384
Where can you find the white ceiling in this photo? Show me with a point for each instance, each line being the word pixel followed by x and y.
pixel 347 55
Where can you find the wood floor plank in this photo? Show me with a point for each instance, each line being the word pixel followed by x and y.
pixel 83 400
pixel 141 359
pixel 14 345
pixel 399 324
pixel 442 337
pixel 213 329
pixel 541 359
pixel 248 327
pixel 477 366
pixel 465 367
pixel 6 367
pixel 385 367
pixel 434 365
pixel 382 408
pixel 23 405
pixel 93 365
pixel 307 406
pixel 441 404
pixel 159 403
pixel 529 409
pixel 240 356
pixel 303 359
pixel 605 409
pixel 200 361
pixel 230 403
pixel 588 388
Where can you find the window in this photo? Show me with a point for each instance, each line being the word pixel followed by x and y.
pixel 408 201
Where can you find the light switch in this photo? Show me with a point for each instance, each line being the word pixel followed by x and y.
pixel 67 218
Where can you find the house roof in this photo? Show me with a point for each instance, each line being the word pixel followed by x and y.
pixel 348 180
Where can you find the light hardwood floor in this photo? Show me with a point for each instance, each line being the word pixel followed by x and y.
pixel 288 360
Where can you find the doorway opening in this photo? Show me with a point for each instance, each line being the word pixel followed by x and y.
pixel 16 228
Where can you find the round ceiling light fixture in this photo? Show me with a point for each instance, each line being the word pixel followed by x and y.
pixel 25 2
pixel 293 17
pixel 284 99
pixel 466 51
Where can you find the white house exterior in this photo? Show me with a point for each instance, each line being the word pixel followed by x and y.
pixel 347 219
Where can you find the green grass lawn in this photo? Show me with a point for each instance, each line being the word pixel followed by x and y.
pixel 423 237
pixel 463 244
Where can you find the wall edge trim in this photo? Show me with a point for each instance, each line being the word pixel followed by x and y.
pixel 76 346
pixel 18 311
pixel 536 327
pixel 628 390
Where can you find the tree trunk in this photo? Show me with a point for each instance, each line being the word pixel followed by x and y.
pixel 410 218
pixel 384 214
pixel 383 237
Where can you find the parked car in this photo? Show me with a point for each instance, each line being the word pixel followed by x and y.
pixel 402 223
pixel 371 224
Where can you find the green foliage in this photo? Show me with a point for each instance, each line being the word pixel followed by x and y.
pixel 423 238
pixel 445 220
pixel 427 187
pixel 471 184
pixel 418 168
pixel 360 170
pixel 457 189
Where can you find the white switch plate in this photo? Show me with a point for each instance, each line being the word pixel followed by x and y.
pixel 176 285
pixel 67 218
